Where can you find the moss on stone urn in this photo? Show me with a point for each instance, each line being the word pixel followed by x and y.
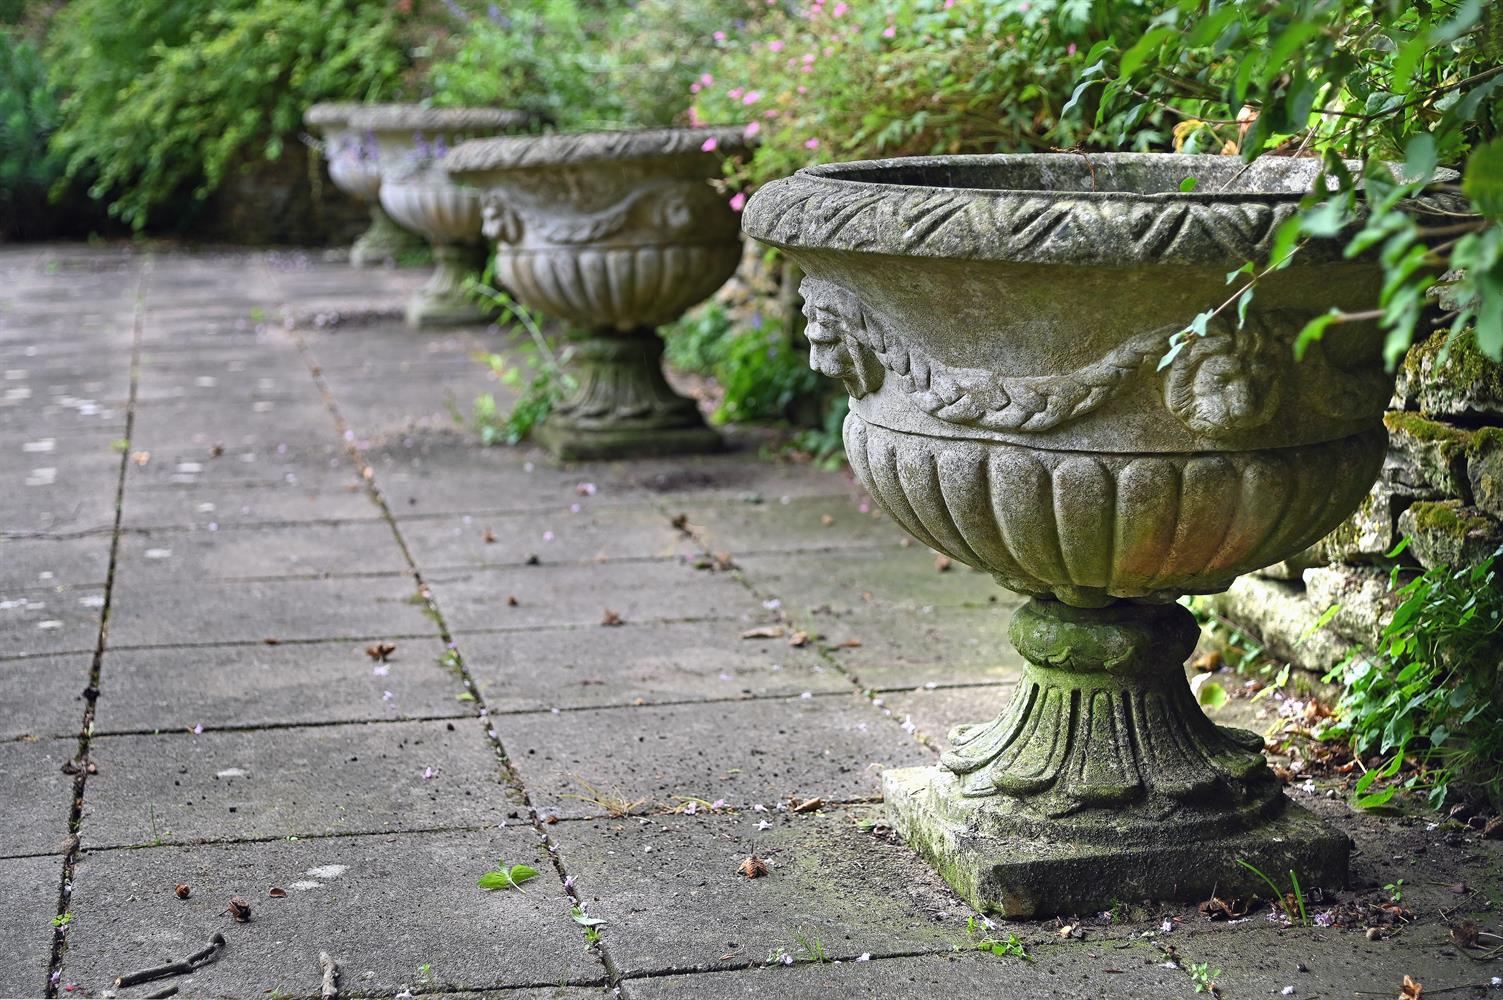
pixel 616 234
pixel 1003 326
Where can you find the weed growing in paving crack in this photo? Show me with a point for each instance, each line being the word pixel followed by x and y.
pixel 591 925
pixel 981 939
pixel 1203 977
pixel 1293 901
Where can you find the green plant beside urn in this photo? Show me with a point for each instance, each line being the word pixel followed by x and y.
pixel 616 234
pixel 354 168
pixel 1001 324
pixel 410 142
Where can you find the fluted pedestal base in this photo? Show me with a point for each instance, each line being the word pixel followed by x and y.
pixel 383 241
pixel 621 406
pixel 443 301
pixel 1104 781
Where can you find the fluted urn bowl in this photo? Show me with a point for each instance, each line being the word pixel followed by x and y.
pixel 354 168
pixel 1006 327
pixel 615 234
pixel 410 141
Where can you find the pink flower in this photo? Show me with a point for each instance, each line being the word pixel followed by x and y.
pixel 808 57
pixel 752 97
pixel 811 143
pixel 708 146
pixel 803 89
pixel 776 45
pixel 719 36
pixel 735 93
pixel 738 201
pixel 839 10
pixel 694 87
pixel 1070 49
pixel 889 32
pixel 753 129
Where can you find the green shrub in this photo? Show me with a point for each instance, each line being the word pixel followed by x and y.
pixel 1433 692
pixel 28 115
pixel 165 97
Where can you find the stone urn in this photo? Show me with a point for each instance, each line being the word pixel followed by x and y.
pixel 353 167
pixel 1003 325
pixel 616 234
pixel 410 141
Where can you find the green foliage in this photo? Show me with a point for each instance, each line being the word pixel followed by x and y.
pixel 1291 902
pixel 981 939
pixel 537 377
pixel 166 97
pixel 504 877
pixel 762 375
pixel 1203 977
pixel 828 81
pixel 28 115
pixel 1416 83
pixel 583 63
pixel 1433 692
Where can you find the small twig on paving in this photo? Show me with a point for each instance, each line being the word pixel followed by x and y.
pixel 203 956
pixel 330 989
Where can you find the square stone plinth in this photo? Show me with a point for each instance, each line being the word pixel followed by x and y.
pixel 1028 876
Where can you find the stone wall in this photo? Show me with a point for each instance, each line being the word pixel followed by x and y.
pixel 1442 486
pixel 289 200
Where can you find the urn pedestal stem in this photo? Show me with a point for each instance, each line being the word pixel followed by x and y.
pixel 384 240
pixel 1103 780
pixel 442 300
pixel 619 405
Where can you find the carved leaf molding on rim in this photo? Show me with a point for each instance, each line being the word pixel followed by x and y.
pixel 672 209
pixel 1226 381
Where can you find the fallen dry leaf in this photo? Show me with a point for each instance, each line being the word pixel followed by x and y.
pixel 271 641
pixel 380 651
pixel 681 522
pixel 799 638
pixel 1207 663
pixel 1493 829
pixel 1465 934
pixel 826 520
pixel 808 805
pixel 240 909
pixel 942 564
pixel 848 644
pixel 609 617
pixel 488 536
pixel 753 867
pixel 141 457
pixel 1411 990
pixel 183 890
pixel 277 892
pixel 764 632
pixel 216 451
pixel 511 601
pixel 1217 908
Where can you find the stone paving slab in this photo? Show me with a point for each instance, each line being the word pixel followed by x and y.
pixel 53 620
pixel 291 782
pixel 574 594
pixel 152 558
pixel 238 465
pixel 589 534
pixel 37 796
pixel 1058 972
pixel 802 524
pixel 831 747
pixel 48 563
pixel 28 902
pixel 189 612
pixel 933 713
pixel 43 695
pixel 236 424
pixel 595 667
pixel 929 645
pixel 836 582
pixel 672 898
pixel 327 495
pixel 260 685
pixel 383 906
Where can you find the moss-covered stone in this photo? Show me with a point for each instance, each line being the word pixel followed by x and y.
pixel 1484 469
pixel 1430 454
pixel 1443 379
pixel 1369 532
pixel 1447 532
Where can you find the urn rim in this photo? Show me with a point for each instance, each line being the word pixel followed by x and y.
pixel 555 149
pixel 420 118
pixel 330 113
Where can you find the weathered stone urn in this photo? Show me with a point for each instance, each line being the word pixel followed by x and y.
pixel 410 141
pixel 1003 326
pixel 616 234
pixel 354 169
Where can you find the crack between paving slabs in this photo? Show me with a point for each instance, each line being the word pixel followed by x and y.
pixel 91 692
pixel 513 778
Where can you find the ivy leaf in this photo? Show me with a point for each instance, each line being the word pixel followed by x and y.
pixel 507 878
pixel 1483 180
pixel 1313 331
pixel 1188 184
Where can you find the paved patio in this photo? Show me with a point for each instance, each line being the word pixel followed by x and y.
pixel 229 478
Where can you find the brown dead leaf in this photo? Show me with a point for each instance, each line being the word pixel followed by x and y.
pixel 681 522
pixel 277 892
pixel 240 909
pixel 511 601
pixel 799 638
pixel 1411 990
pixel 752 867
pixel 721 562
pixel 942 564
pixel 183 890
pixel 609 617
pixel 141 457
pixel 848 644
pixel 488 536
pixel 1207 663
pixel 1465 934
pixel 1217 908
pixel 808 805
pixel 380 651
pixel 826 520
pixel 216 450
pixel 765 632
pixel 271 641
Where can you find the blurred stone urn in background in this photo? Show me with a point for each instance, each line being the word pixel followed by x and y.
pixel 410 140
pixel 615 234
pixel 1005 328
pixel 354 169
